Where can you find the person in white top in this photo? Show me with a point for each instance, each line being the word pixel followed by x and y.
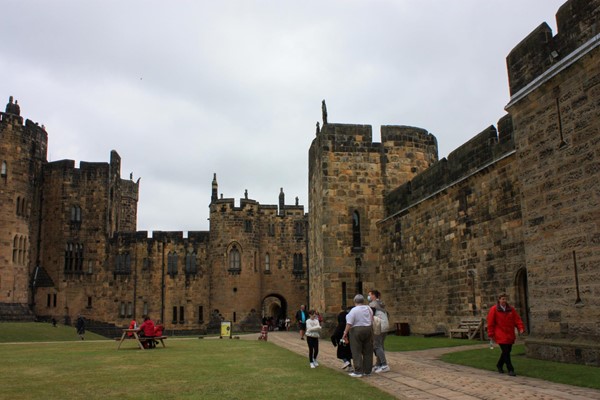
pixel 359 322
pixel 313 330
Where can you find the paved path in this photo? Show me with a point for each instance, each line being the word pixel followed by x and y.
pixel 420 375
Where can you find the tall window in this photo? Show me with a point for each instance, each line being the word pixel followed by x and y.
pixel 234 259
pixel 297 263
pixel 298 229
pixel 3 169
pixel 19 250
pixel 200 314
pixel 190 264
pixel 75 214
pixel 268 263
pixel 356 241
pixel 181 314
pixel 69 257
pixel 172 264
pixel 174 315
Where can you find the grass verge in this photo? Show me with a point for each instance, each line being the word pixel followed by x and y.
pixel 570 374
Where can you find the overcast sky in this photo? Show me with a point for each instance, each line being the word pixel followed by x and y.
pixel 185 89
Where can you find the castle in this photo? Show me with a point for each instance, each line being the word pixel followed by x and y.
pixel 515 209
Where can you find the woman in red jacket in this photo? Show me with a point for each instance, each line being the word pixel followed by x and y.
pixel 502 321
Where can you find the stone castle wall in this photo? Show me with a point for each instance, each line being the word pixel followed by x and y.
pixel 555 108
pixel 452 239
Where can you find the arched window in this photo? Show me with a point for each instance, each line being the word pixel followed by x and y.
pixel 3 169
pixel 234 259
pixel 356 241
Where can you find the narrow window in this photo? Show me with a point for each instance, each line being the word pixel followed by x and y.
pixel 89 302
pixel 356 240
pixel 271 229
pixel 181 315
pixel 268 262
pixel 172 264
pixel 190 264
pixel 248 225
pixel 54 300
pixel 129 309
pixel 145 308
pixel 49 300
pixel 174 314
pixel 3 169
pixel 200 314
pixel 234 316
pixel 122 310
pixel 234 259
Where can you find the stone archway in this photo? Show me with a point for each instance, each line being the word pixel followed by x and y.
pixel 521 299
pixel 275 308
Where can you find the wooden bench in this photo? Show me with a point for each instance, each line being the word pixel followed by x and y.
pixel 469 328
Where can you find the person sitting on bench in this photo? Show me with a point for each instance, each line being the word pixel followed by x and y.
pixel 146 330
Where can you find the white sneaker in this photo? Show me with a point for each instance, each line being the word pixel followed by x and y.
pixel 355 375
pixel 346 364
pixel 316 363
pixel 312 365
pixel 383 368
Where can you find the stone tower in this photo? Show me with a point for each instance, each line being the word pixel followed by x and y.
pixel 349 176
pixel 23 149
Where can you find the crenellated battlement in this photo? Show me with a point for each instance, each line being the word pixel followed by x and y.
pixel 407 137
pixel 578 21
pixel 486 147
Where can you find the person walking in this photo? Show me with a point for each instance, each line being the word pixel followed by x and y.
pixel 301 318
pixel 80 326
pixel 313 331
pixel 359 325
pixel 378 308
pixel 501 323
pixel 343 349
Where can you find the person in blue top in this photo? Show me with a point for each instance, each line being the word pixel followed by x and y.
pixel 301 317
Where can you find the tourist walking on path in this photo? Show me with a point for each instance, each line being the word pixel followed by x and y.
pixel 502 321
pixel 301 318
pixel 359 325
pixel 343 349
pixel 379 311
pixel 80 326
pixel 313 331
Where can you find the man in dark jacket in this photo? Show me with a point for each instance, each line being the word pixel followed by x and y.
pixel 301 317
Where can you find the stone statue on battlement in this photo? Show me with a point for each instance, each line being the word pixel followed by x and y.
pixel 324 110
pixel 13 108
pixel 318 128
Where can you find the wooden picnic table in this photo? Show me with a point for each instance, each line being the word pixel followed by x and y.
pixel 139 339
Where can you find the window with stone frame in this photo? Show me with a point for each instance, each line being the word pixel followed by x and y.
pixel 191 267
pixel 174 320
pixel 268 263
pixel 75 215
pixel 248 226
pixel 19 250
pixel 235 263
pixel 271 229
pixel 172 264
pixel 69 258
pixel 298 229
pixel 298 268
pixel 123 264
pixel 3 169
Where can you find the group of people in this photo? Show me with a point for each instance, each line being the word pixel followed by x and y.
pixel 361 331
pixel 148 329
pixel 359 335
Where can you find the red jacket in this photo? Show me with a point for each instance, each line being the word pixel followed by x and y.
pixel 158 330
pixel 147 328
pixel 502 323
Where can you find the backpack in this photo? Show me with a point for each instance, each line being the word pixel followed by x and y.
pixel 381 323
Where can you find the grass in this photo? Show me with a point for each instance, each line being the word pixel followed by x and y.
pixel 40 332
pixel 186 369
pixel 570 374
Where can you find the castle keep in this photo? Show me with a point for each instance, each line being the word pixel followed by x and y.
pixel 515 209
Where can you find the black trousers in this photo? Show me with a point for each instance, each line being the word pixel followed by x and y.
pixel 505 357
pixel 313 348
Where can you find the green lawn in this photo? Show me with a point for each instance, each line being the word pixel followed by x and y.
pixel 186 369
pixel 40 332
pixel 571 374
pixel 412 343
